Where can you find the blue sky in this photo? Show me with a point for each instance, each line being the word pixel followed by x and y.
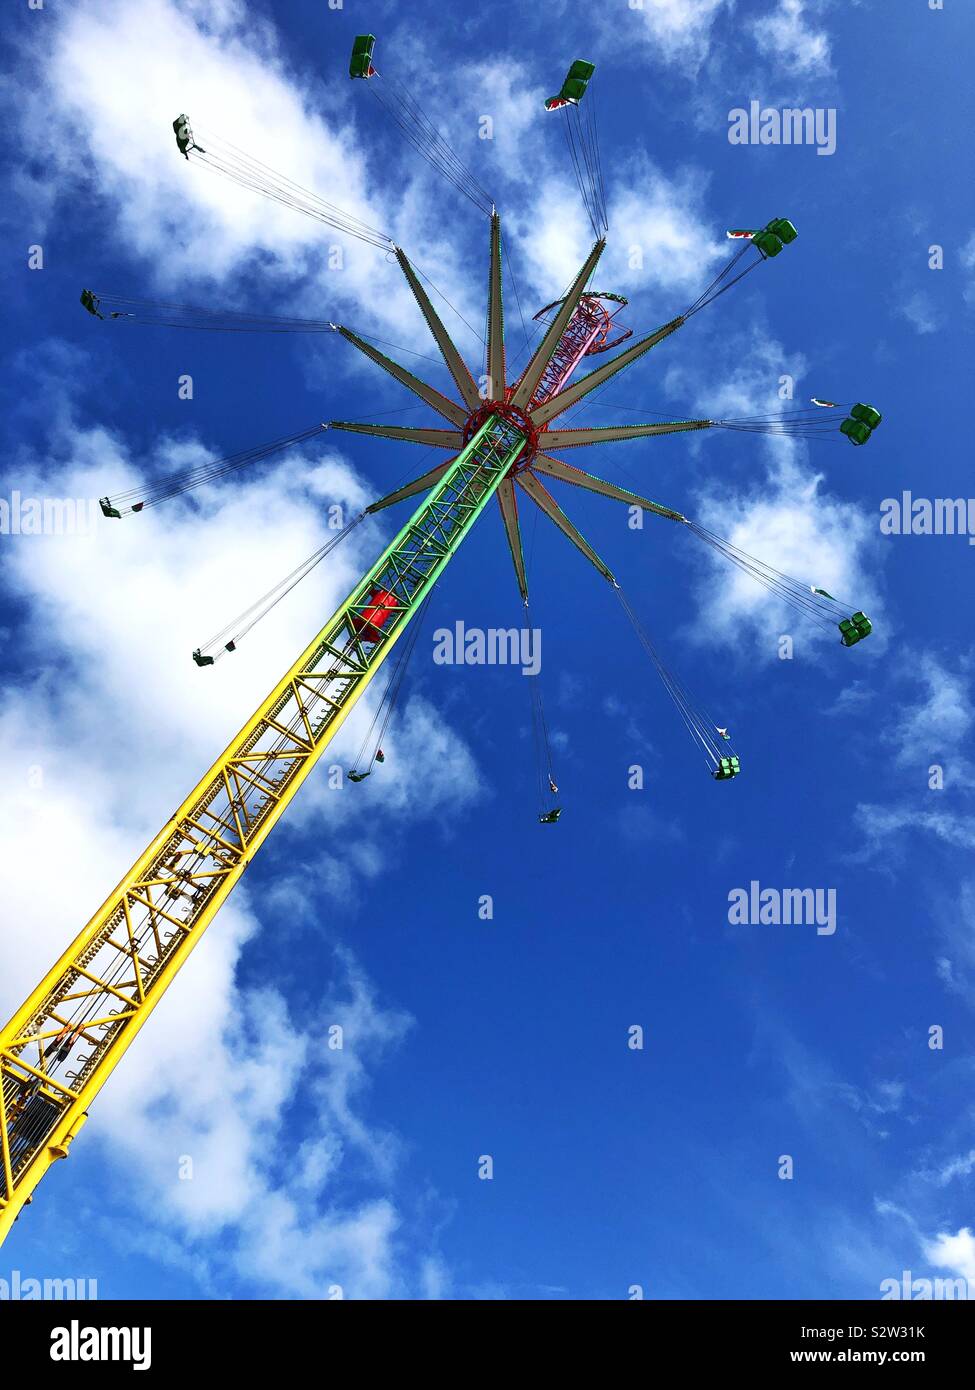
pixel 613 1167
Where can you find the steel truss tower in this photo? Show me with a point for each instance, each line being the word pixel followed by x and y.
pixel 61 1045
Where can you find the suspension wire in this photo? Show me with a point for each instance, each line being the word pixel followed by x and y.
pixel 436 149
pixel 427 140
pixel 541 750
pixel 423 276
pixel 544 768
pixel 153 312
pixel 485 363
pixel 514 285
pixel 584 164
pixel 712 292
pixel 230 636
pixel 585 131
pixel 391 693
pixel 598 156
pixel 799 423
pixel 151 494
pixel 590 147
pixel 398 347
pixel 807 599
pixel 224 158
pixel 699 724
pixel 381 414
pixel 585 187
pixel 726 270
pixel 158 313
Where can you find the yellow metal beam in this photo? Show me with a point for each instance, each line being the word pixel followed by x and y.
pixel 131 949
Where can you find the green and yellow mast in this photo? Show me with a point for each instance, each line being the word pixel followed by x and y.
pixel 63 1042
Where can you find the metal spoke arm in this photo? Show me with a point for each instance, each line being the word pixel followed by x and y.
pixel 440 403
pixel 540 494
pixel 495 342
pixel 532 374
pixel 508 502
pixel 455 363
pixel 566 473
pixel 410 434
pixel 421 484
pixel 607 434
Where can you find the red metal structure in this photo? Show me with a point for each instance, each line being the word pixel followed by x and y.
pixel 587 332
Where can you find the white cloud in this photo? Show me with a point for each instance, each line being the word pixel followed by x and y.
pixel 501 90
pixel 284 1226
pixel 920 311
pixel 786 35
pixel 679 30
pixel 932 727
pixel 99 743
pixel 958 1167
pixel 786 518
pixel 852 699
pixel 879 823
pixel 939 722
pixel 953 1252
pixel 956 921
pixel 662 219
pixel 105 87
pixel 659 238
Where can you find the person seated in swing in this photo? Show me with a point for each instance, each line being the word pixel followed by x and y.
pixel 355 776
pixel 91 304
pixel 550 817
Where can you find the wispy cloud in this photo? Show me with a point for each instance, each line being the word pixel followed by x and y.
pixel 879 823
pixel 785 35
pixel 967 258
pixel 920 311
pixel 938 722
pixel 680 31
pixel 927 729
